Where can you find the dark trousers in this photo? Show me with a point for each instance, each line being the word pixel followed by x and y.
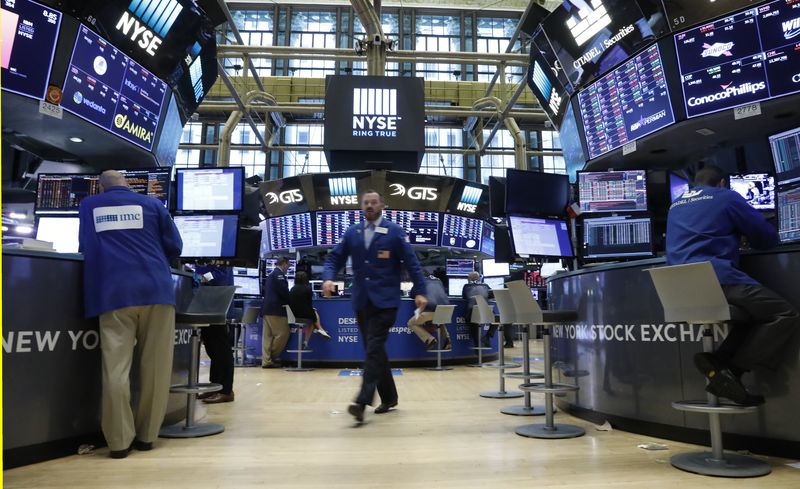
pixel 218 346
pixel 759 341
pixel 374 324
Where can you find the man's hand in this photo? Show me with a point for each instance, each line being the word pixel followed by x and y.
pixel 327 288
pixel 421 301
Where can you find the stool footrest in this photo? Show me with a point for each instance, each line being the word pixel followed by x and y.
pixel 299 351
pixel 501 365
pixel 439 351
pixel 484 348
pixel 705 407
pixel 194 389
pixel 551 389
pixel 523 375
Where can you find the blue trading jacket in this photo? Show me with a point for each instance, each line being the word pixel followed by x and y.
pixel 127 240
pixel 377 269
pixel 707 223
pixel 276 294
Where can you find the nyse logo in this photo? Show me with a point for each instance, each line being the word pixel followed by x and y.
pixel 414 193
pixel 555 101
pixel 717 49
pixel 469 199
pixel 592 18
pixel 343 191
pixel 791 28
pixel 375 112
pixel 286 197
pixel 158 15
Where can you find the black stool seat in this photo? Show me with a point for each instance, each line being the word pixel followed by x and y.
pixel 199 318
pixel 558 317
pixel 705 407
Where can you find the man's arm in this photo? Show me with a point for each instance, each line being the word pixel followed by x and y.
pixel 750 223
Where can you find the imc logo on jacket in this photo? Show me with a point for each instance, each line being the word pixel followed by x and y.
pixel 119 217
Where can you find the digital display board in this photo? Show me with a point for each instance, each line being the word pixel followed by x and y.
pixel 786 155
pixel 758 189
pixel 686 13
pixel 617 237
pixel 742 58
pixel 210 189
pixel 540 237
pixel 613 191
pixel 789 213
pixel 208 236
pixel 629 103
pixel 30 32
pixel 109 89
pixel 459 267
pixel 293 231
pixel 63 193
pixel 422 227
pixel 461 232
pixel 331 225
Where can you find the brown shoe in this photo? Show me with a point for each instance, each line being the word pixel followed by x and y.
pixel 218 398
pixel 205 395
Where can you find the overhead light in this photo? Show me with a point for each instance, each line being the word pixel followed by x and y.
pixel 17 215
pixel 76 139
pixel 5 228
pixel 23 229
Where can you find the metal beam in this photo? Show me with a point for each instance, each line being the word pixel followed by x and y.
pixel 227 81
pixel 240 40
pixel 252 147
pixel 506 113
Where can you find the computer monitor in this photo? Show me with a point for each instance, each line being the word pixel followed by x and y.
pixel 758 189
pixel 678 185
pixel 456 286
pixel 269 266
pixel 548 269
pixel 459 267
pixel 249 286
pixel 493 269
pixel 789 213
pixel 422 227
pixel 461 232
pixel 62 193
pixel 210 189
pixel 533 193
pixel 292 231
pixel 154 182
pixel 617 237
pixel 786 155
pixel 487 239
pixel 61 231
pixel 242 271
pixel 613 191
pixel 208 236
pixel 495 282
pixel 540 237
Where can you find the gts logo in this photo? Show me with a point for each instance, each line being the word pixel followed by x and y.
pixel 286 197
pixel 414 193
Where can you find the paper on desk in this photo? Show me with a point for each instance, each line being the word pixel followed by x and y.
pixel 208 276
pixel 417 312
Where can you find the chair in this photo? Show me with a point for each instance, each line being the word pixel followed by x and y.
pixel 442 316
pixel 209 306
pixel 250 317
pixel 692 294
pixel 507 316
pixel 481 315
pixel 534 315
pixel 293 321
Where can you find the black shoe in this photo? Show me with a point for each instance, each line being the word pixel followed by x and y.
pixel 121 453
pixel 385 407
pixel 722 382
pixel 273 365
pixel 357 411
pixel 748 400
pixel 143 446
pixel 509 344
pixel 486 341
pixel 448 345
pixel 431 345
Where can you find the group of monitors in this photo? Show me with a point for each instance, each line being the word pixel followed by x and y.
pixel 424 228
pixel 458 269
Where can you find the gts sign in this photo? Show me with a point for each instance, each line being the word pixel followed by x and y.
pixel 286 197
pixel 414 193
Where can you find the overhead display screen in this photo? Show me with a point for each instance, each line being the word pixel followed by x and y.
pixel 331 225
pixel 422 227
pixel 629 103
pixel 107 88
pixel 461 232
pixel 743 58
pixel 208 236
pixel 210 189
pixel 613 191
pixel 30 32
pixel 590 37
pixel 292 231
pixel 686 13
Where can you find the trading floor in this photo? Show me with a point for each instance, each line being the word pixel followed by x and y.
pixel 292 430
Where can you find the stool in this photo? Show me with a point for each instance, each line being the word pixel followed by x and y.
pixel 209 306
pixel 300 350
pixel 502 296
pixel 481 317
pixel 692 294
pixel 235 324
pixel 442 316
pixel 250 316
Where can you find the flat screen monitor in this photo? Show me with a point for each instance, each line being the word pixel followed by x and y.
pixel 250 272
pixel 789 213
pixel 250 286
pixel 678 185
pixel 61 231
pixel 210 189
pixel 495 282
pixel 208 236
pixel 154 182
pixel 786 155
pixel 63 193
pixel 455 286
pixel 30 32
pixel 540 237
pixel 458 267
pixel 627 104
pixel 331 225
pixel 292 231
pixel 497 196
pixel 536 193
pixel 270 263
pixel 758 189
pixel 617 237
pixel 739 59
pixel 110 90
pixel 422 226
pixel 461 232
pixel 492 268
pixel 549 269
pixel 487 239
pixel 613 191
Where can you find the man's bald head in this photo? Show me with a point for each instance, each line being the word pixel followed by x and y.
pixel 112 178
pixel 473 276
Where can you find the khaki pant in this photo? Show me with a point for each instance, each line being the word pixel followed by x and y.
pixel 275 335
pixel 152 330
pixel 417 326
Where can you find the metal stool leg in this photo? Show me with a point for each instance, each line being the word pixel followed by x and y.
pixel 526 409
pixel 439 351
pixel 299 367
pixel 502 393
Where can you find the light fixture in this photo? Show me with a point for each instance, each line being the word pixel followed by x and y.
pixel 17 215
pixel 76 139
pixel 23 229
pixel 5 228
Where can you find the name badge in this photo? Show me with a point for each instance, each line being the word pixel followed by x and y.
pixel 382 230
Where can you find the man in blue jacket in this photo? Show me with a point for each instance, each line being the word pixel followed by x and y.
pixel 437 296
pixel 379 250
pixel 128 240
pixel 707 224
pixel 275 326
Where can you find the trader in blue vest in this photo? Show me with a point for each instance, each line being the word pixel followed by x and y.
pixel 706 224
pixel 128 241
pixel 379 249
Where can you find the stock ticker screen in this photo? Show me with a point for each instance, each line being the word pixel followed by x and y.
pixel 293 231
pixel 630 102
pixel 422 227
pixel 331 225
pixel 63 193
pixel 617 236
pixel 613 191
pixel 789 213
pixel 461 232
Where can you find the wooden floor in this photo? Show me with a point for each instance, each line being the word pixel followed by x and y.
pixel 292 430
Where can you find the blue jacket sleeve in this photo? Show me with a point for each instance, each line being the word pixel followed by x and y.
pixel 336 259
pixel 412 266
pixel 170 237
pixel 750 223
